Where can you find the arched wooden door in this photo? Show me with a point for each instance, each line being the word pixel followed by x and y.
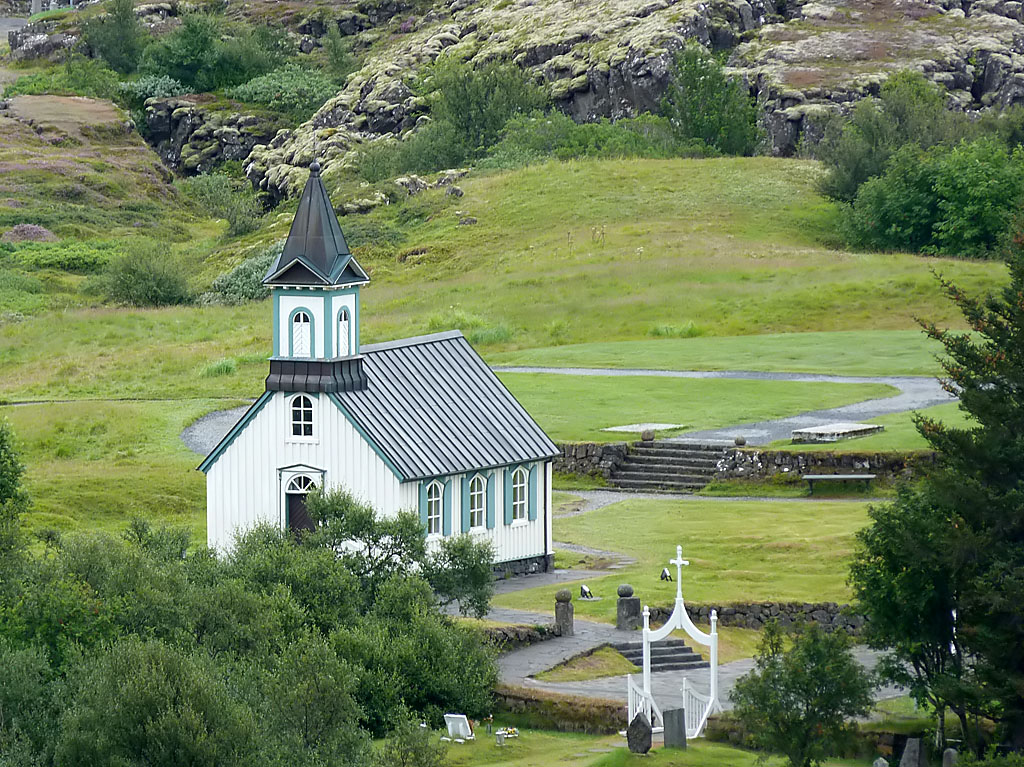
pixel 295 493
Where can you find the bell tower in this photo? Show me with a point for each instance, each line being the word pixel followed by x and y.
pixel 314 286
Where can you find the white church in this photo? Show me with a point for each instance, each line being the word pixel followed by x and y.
pixel 416 424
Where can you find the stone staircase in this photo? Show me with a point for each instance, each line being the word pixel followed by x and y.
pixel 673 467
pixel 669 655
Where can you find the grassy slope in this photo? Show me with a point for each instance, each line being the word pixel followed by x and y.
pixel 853 353
pixel 738 551
pixel 602 401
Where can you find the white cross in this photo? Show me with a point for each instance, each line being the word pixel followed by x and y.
pixel 679 562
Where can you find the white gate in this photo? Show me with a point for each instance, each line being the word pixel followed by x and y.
pixel 698 707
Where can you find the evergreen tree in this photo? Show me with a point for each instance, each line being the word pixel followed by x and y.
pixel 118 37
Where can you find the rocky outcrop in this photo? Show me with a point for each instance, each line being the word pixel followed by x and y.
pixel 193 140
pixel 39 41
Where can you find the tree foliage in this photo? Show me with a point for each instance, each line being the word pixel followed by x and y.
pixel 13 497
pixel 799 701
pixel 117 37
pixel 703 102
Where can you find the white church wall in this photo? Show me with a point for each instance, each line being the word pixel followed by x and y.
pixel 244 486
pixel 337 301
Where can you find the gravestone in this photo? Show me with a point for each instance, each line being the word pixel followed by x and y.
pixel 638 734
pixel 563 613
pixel 675 728
pixel 880 762
pixel 629 612
pixel 913 754
pixel 949 757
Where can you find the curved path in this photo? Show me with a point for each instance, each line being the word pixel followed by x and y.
pixel 915 393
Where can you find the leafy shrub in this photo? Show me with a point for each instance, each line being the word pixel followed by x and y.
pixel 909 110
pixel 201 57
pixel 340 61
pixel 227 198
pixel 531 138
pixel 297 91
pixel 956 201
pixel 245 281
pixel 84 257
pixel 117 37
pixel 78 76
pixel 135 92
pixel 703 102
pixel 144 276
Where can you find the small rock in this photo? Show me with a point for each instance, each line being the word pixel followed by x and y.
pixel 880 762
pixel 28 233
pixel 454 191
pixel 647 435
pixel 467 221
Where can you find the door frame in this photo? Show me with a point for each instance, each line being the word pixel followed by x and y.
pixel 284 476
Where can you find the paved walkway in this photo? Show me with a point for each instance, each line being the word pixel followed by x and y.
pixel 915 393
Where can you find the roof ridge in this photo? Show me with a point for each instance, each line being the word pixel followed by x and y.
pixel 400 343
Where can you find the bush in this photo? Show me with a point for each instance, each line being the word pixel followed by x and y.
pixel 909 110
pixel 145 276
pixel 227 198
pixel 135 92
pixel 703 103
pixel 294 90
pixel 531 138
pixel 84 257
pixel 118 37
pixel 78 76
pixel 245 281
pixel 340 61
pixel 954 201
pixel 201 57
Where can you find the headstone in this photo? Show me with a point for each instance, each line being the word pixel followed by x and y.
pixel 913 754
pixel 629 613
pixel 638 734
pixel 563 613
pixel 949 757
pixel 675 728
pixel 880 762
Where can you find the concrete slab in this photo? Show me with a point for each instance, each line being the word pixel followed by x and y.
pixel 835 432
pixel 640 427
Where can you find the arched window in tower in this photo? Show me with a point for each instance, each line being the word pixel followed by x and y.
pixel 301 335
pixel 344 333
pixel 302 416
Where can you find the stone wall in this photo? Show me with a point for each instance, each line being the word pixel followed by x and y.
pixel 509 638
pixel 565 713
pixel 541 563
pixel 828 615
pixel 756 464
pixel 590 458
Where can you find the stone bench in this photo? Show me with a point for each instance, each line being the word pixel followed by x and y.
pixel 812 478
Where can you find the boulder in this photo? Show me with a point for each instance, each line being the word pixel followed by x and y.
pixel 639 734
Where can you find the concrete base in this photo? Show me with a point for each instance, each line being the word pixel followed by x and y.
pixel 835 432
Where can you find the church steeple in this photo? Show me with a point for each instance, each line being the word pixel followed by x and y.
pixel 316 252
pixel 314 287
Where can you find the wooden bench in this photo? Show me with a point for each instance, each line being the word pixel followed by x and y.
pixel 812 478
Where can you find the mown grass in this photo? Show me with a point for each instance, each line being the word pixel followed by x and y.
pixel 602 401
pixel 95 465
pixel 851 353
pixel 601 663
pixel 542 747
pixel 739 551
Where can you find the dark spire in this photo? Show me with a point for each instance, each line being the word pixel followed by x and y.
pixel 316 252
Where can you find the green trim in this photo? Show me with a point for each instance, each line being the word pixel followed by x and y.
pixel 277 324
pixel 446 507
pixel 312 333
pixel 423 505
pixel 490 500
pixel 225 443
pixel 362 433
pixel 355 324
pixel 301 291
pixel 531 489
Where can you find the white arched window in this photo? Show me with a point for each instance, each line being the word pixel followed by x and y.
pixel 477 502
pixel 301 335
pixel 300 485
pixel 302 416
pixel 435 502
pixel 344 334
pixel 520 483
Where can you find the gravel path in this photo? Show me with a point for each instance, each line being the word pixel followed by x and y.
pixel 203 435
pixel 915 393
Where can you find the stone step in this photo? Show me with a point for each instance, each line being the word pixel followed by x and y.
pixel 644 485
pixel 670 477
pixel 638 644
pixel 657 650
pixel 685 452
pixel 645 459
pixel 662 468
pixel 636 657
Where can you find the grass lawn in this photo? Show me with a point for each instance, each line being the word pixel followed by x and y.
pixel 852 352
pixel 601 401
pixel 900 435
pixel 542 747
pixel 95 465
pixel 602 662
pixel 739 551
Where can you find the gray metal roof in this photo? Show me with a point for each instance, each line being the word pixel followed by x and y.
pixel 315 252
pixel 434 407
